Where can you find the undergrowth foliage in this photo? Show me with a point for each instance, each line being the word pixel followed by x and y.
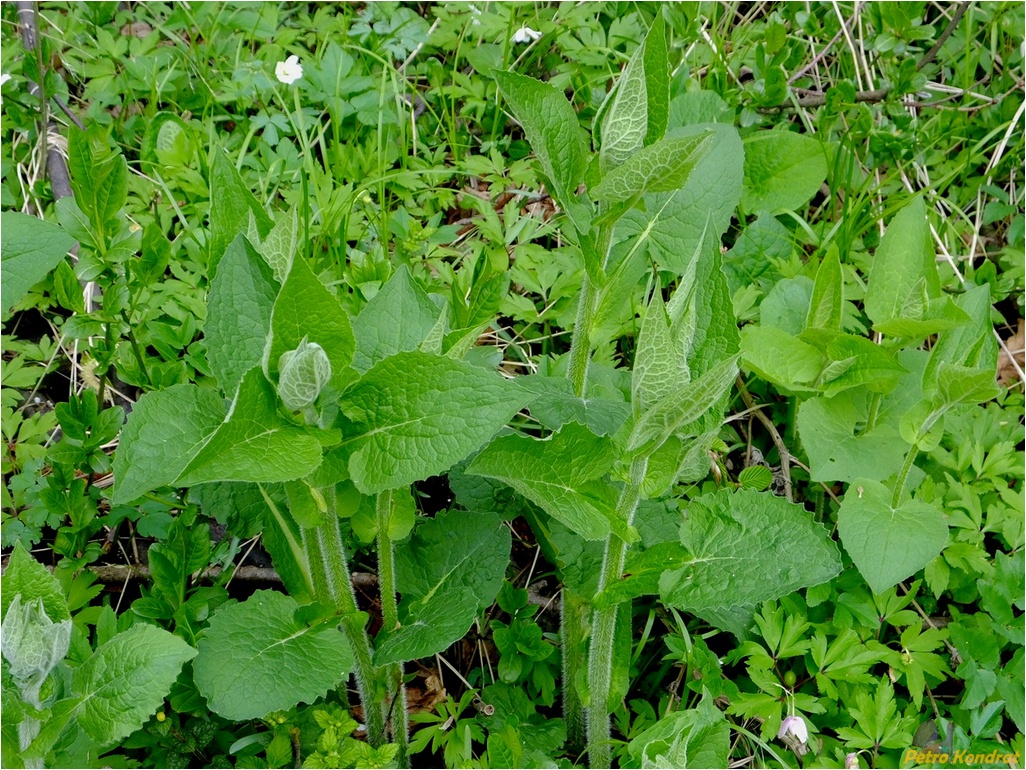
pixel 600 386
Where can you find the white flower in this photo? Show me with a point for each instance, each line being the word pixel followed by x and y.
pixel 288 71
pixel 795 726
pixel 4 78
pixel 525 35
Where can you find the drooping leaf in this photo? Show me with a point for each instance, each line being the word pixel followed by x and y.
pixel 783 170
pixel 554 404
pixel 305 309
pixel 747 547
pixel 681 406
pixel 164 432
pixel 562 474
pixel 231 205
pixel 126 680
pixel 888 543
pixel 239 306
pixel 31 248
pixel 662 167
pixel 257 656
pixel 555 135
pixel 254 443
pixel 29 579
pixel 397 319
pixel 444 410
pixel 449 571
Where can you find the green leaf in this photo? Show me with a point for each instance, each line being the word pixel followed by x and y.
pixel 231 205
pixel 660 360
pixel 837 450
pixel 29 579
pixel 972 345
pixel 449 571
pixel 827 294
pixel 99 179
pixel 642 573
pixel 417 414
pixel 622 121
pixel 239 306
pixel 67 288
pixel 305 309
pixel 561 474
pixel 776 356
pixel 853 361
pixel 757 477
pixel 783 170
pixel 747 547
pixel 691 738
pixel 31 248
pixel 551 126
pixel 904 296
pixel 957 385
pixel 257 657
pixel 662 167
pixel 126 680
pixel 163 433
pixel 657 80
pixel 397 319
pixel 681 406
pixel 887 543
pixel 281 244
pixel 254 443
pixel 672 225
pixel 554 404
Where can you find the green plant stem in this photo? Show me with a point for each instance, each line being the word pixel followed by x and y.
pixel 580 344
pixel 899 487
pixel 573 619
pixel 390 621
pixel 603 625
pixel 874 412
pixel 328 563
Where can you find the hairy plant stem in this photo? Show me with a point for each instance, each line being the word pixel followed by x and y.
pixel 587 304
pixel 899 487
pixel 398 717
pixel 573 624
pixel 327 558
pixel 874 412
pixel 603 625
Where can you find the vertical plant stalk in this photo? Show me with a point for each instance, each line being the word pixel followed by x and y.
pixel 327 557
pixel 580 344
pixel 572 627
pixel 398 717
pixel 603 625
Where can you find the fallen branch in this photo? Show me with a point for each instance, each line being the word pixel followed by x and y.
pixel 778 441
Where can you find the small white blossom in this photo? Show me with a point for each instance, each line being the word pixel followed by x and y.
pixel 525 35
pixel 4 78
pixel 288 71
pixel 795 726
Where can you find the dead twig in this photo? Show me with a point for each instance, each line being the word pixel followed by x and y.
pixel 778 441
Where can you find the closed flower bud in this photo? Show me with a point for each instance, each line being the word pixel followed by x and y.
pixel 302 374
pixel 32 643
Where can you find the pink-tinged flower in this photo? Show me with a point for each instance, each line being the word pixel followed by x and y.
pixel 795 726
pixel 288 71
pixel 851 761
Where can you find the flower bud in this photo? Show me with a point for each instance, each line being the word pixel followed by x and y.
pixel 32 643
pixel 302 374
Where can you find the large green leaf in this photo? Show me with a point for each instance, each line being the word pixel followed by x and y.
pixel 30 248
pixel 672 225
pixel 239 306
pixel 99 179
pixel 165 430
pixel 747 547
pixel 827 293
pixel 563 475
pixel 258 656
pixel 554 404
pixel 254 443
pixel 555 135
pixel 29 579
pixel 660 360
pixel 417 414
pixel 657 80
pixel 776 356
pixel 397 319
pixel 692 738
pixel 972 345
pixel 888 543
pixel 783 170
pixel 904 297
pixel 126 680
pixel 231 205
pixel 621 124
pixel 450 570
pixel 305 309
pixel 662 167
